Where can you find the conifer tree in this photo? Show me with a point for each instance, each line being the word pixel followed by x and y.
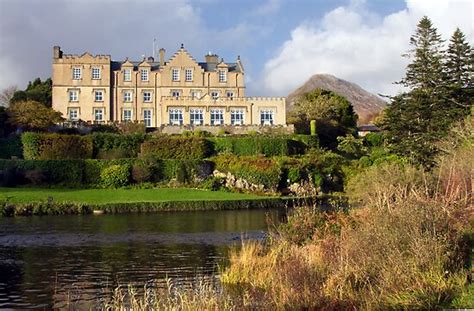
pixel 459 61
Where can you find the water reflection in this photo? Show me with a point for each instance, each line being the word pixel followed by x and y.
pixel 45 261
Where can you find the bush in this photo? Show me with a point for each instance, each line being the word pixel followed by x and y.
pixel 11 147
pixel 256 170
pixel 115 176
pixel 166 147
pixel 115 146
pixel 248 146
pixel 373 139
pixel 38 146
pixel 129 128
pixel 35 177
pixel 141 172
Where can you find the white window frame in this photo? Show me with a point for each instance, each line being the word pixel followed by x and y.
pixel 127 96
pixel 176 116
pixel 73 95
pixel 76 73
pixel 127 75
pixel 147 96
pixel 99 112
pixel 196 116
pixel 96 74
pixel 188 74
pixel 72 111
pixel 127 115
pixel 237 116
pixel 175 74
pixel 195 94
pixel 222 76
pixel 217 116
pixel 215 94
pixel 144 74
pixel 147 117
pixel 98 96
pixel 267 117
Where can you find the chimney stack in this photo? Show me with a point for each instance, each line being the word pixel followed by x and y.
pixel 57 53
pixel 212 58
pixel 162 56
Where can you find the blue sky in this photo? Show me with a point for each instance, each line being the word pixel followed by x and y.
pixel 281 42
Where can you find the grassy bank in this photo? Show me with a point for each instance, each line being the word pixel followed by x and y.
pixel 38 201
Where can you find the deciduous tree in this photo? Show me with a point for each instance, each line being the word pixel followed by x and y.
pixel 33 115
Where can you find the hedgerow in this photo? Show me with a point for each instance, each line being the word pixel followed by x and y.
pixel 168 147
pixel 45 146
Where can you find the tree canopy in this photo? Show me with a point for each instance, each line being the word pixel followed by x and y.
pixel 333 113
pixel 38 91
pixel 32 115
pixel 437 82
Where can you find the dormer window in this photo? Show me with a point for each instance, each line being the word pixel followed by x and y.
pixel 222 76
pixel 76 73
pixel 175 74
pixel 188 75
pixel 144 74
pixel 95 73
pixel 127 75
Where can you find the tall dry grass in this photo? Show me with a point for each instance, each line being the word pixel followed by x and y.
pixel 404 248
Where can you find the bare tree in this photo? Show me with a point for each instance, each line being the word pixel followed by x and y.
pixel 6 95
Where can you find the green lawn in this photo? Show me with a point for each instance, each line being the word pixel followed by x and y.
pixel 102 196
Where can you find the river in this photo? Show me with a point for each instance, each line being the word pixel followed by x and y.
pixel 50 260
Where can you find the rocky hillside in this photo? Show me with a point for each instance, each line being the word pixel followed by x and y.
pixel 366 105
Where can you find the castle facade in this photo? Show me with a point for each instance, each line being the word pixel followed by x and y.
pixel 178 91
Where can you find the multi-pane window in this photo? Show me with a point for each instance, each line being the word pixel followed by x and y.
pixel 215 94
pixel 73 96
pixel 188 73
pixel 196 116
pixel 230 94
pixel 127 115
pixel 98 114
pixel 147 96
pixel 99 96
pixel 127 96
pixel 147 117
pixel 95 73
pixel 222 76
pixel 175 74
pixel 175 93
pixel 73 114
pixel 127 75
pixel 176 116
pixel 266 117
pixel 76 73
pixel 237 116
pixel 217 116
pixel 195 94
pixel 144 74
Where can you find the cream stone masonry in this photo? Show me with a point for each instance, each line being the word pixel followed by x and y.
pixel 180 91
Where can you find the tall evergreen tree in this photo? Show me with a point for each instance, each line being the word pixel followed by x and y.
pixel 417 118
pixel 459 61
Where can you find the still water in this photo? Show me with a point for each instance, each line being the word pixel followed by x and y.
pixel 46 261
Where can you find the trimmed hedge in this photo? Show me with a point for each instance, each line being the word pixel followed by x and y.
pixel 114 146
pixel 11 147
pixel 44 146
pixel 168 147
pixel 257 145
pixel 90 172
pixel 254 169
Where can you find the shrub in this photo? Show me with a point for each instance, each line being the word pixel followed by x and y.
pixel 373 139
pixel 257 170
pixel 129 128
pixel 55 146
pixel 213 183
pixel 35 177
pixel 294 174
pixel 166 147
pixel 141 172
pixel 247 146
pixel 114 146
pixel 115 176
pixel 11 147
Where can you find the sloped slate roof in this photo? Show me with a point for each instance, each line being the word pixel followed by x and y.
pixel 117 65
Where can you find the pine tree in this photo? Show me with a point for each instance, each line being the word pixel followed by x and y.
pixel 417 118
pixel 459 61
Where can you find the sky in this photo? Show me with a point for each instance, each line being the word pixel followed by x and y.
pixel 281 43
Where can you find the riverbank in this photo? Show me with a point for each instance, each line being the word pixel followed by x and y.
pixel 45 201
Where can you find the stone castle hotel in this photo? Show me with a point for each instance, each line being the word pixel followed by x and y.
pixel 177 91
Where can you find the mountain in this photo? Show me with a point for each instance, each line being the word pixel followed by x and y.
pixel 366 104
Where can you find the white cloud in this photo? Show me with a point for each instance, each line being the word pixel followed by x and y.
pixel 360 46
